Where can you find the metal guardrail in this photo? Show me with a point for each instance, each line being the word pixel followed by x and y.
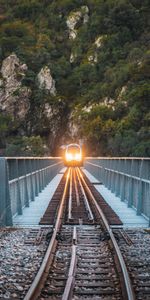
pixel 21 180
pixel 128 178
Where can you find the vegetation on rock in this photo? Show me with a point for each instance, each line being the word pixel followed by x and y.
pixel 101 76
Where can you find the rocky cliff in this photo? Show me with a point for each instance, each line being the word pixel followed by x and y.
pixel 73 70
pixel 14 98
pixel 46 81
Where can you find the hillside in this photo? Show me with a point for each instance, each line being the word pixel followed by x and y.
pixel 75 70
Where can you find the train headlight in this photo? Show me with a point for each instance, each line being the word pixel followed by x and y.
pixel 69 156
pixel 78 156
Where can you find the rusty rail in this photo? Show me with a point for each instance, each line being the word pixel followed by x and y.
pixel 71 275
pixel 41 276
pixel 86 202
pixel 70 197
pixel 126 279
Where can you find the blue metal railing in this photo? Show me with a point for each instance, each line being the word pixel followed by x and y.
pixel 21 180
pixel 128 178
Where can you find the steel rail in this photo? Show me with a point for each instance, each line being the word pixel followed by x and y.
pixel 76 189
pixel 70 197
pixel 127 281
pixel 87 206
pixel 42 274
pixel 74 235
pixel 69 284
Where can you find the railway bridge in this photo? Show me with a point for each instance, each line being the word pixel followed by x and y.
pixel 123 182
pixel 80 233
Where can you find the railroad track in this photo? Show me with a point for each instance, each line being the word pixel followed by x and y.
pixel 135 245
pixel 83 260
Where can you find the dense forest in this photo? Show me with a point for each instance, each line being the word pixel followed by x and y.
pixel 98 55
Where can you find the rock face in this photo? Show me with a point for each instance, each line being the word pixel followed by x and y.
pixel 99 41
pixel 73 125
pixel 73 129
pixel 14 98
pixel 93 58
pixel 74 18
pixel 93 55
pixel 122 92
pixel 72 57
pixel 46 81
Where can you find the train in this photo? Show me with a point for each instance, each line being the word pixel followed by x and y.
pixel 73 156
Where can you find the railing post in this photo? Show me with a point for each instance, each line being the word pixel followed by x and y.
pixel 139 202
pixel 140 191
pixel 109 179
pixel 117 181
pixel 44 174
pixel 122 195
pixel 5 203
pixel 48 172
pixel 105 177
pixel 130 197
pixel 102 179
pixel 35 176
pixel 112 181
pixel 43 177
pixel 31 180
pixel 26 194
pixel 19 204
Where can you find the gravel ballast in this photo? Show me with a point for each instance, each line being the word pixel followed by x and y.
pixel 19 262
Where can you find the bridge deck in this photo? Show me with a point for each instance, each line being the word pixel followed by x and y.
pixel 32 215
pixel 127 215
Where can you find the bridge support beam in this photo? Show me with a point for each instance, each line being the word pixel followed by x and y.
pixel 5 204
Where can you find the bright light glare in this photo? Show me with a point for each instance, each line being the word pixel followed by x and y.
pixel 69 156
pixel 68 174
pixel 78 156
